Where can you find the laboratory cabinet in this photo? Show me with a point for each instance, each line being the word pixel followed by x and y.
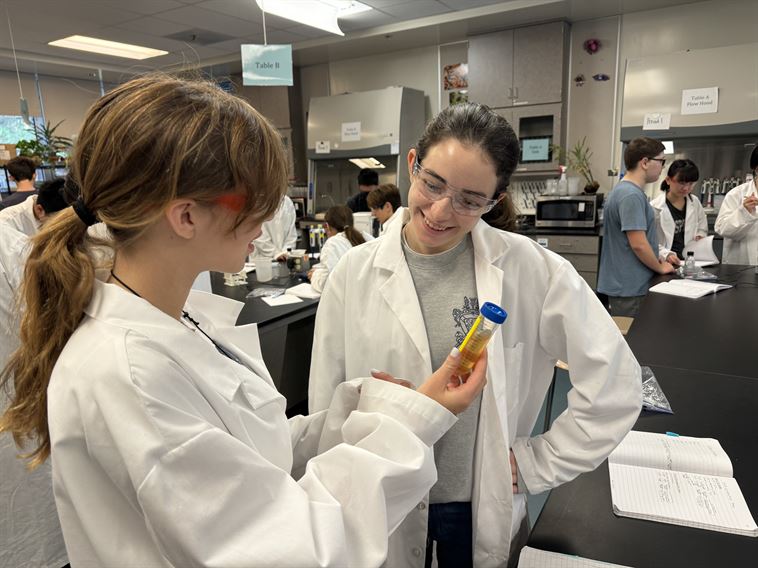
pixel 582 251
pixel 518 67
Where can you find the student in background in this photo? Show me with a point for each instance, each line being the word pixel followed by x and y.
pixel 385 205
pixel 401 301
pixel 629 257
pixel 279 232
pixel 30 533
pixel 23 171
pixel 169 441
pixel 341 237
pixel 680 216
pixel 28 216
pixel 368 180
pixel 737 221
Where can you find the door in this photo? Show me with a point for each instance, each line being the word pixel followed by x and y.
pixel 538 56
pixel 490 69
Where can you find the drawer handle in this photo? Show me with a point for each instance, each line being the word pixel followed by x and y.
pixel 566 244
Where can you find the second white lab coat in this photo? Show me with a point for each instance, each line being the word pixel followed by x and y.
pixel 333 250
pixel 695 223
pixel 738 226
pixel 279 232
pixel 369 316
pixel 167 453
pixel 30 534
pixel 21 216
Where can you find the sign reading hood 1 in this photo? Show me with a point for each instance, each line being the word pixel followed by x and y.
pixel 384 122
pixel 659 84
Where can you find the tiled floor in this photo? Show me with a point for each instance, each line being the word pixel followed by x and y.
pixel 562 386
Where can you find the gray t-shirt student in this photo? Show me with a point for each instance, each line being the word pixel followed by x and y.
pixel 449 305
pixel 621 272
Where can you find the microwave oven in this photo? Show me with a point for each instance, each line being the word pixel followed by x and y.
pixel 567 211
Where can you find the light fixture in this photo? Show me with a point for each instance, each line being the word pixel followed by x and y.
pixel 321 14
pixel 371 163
pixel 105 47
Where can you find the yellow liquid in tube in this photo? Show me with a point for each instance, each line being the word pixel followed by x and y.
pixel 475 342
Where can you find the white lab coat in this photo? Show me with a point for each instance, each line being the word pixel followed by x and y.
pixel 279 232
pixel 695 223
pixel 21 216
pixel 30 534
pixel 333 250
pixel 166 453
pixel 553 314
pixel 738 226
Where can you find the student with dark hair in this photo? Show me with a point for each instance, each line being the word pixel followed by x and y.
pixel 629 256
pixel 342 236
pixel 368 180
pixel 385 205
pixel 737 221
pixel 169 441
pixel 23 171
pixel 402 301
pixel 680 216
pixel 28 216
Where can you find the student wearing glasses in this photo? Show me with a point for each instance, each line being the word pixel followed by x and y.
pixel 629 257
pixel 419 288
pixel 681 218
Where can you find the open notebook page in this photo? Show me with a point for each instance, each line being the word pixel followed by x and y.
pixel 679 453
pixel 535 558
pixel 688 499
pixel 703 250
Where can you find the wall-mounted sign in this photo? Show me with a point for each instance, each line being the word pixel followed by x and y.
pixel 322 147
pixel 266 65
pixel 351 131
pixel 657 121
pixel 700 101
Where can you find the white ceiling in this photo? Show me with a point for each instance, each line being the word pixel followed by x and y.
pixel 391 26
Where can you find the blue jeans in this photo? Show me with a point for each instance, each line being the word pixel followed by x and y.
pixel 450 527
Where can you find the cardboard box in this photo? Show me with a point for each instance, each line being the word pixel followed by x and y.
pixel 7 153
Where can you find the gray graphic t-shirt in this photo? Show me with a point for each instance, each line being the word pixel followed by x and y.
pixel 446 287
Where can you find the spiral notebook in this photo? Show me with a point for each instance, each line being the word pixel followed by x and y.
pixel 678 480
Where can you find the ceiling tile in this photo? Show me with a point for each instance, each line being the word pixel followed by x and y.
pixel 143 6
pixel 468 4
pixel 195 17
pixel 417 9
pixel 365 20
pixel 243 9
pixel 154 26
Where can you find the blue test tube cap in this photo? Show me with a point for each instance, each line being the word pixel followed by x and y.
pixel 493 312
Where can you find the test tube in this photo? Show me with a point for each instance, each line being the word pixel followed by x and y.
pixel 490 316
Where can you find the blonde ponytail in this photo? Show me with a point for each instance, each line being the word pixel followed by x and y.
pixel 57 286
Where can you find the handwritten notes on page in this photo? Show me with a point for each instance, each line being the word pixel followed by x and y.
pixel 535 558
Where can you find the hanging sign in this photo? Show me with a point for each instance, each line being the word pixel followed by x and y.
pixel 700 101
pixel 657 121
pixel 351 132
pixel 266 65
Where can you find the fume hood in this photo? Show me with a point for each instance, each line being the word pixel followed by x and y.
pixel 381 125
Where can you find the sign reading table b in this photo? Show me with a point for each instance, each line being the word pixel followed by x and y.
pixel 266 65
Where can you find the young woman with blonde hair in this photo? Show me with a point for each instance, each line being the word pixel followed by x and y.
pixel 169 442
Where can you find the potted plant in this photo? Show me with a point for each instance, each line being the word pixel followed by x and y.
pixel 578 159
pixel 31 149
pixel 55 147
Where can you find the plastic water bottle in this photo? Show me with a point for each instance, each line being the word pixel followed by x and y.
pixel 690 268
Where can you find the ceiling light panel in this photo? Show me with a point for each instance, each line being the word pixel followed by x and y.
pixel 106 47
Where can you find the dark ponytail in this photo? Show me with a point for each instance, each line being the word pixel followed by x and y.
pixel 340 218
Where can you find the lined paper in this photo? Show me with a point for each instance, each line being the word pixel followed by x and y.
pixel 535 558
pixel 681 498
pixel 679 453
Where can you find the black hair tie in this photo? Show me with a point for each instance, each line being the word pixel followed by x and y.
pixel 81 210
